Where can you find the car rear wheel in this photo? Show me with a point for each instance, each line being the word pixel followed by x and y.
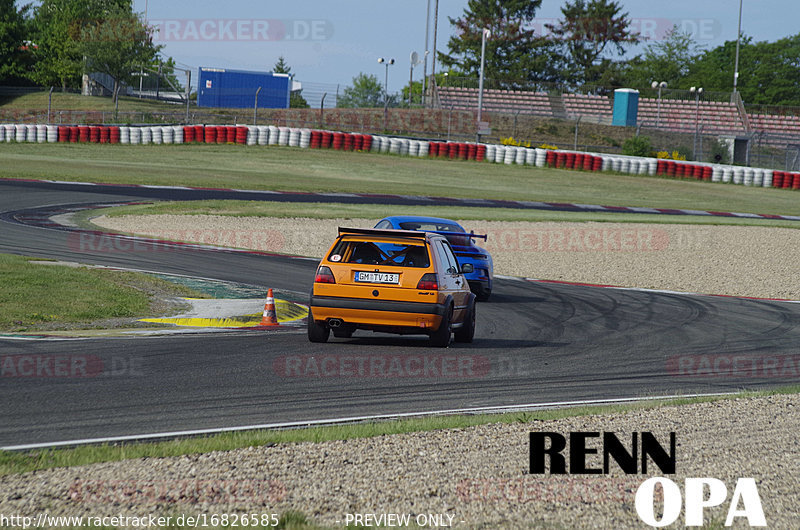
pixel 467 331
pixel 317 332
pixel 483 294
pixel 441 337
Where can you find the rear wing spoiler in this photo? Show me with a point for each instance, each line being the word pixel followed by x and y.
pixel 471 234
pixel 382 232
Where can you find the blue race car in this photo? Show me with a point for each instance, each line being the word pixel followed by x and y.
pixel 462 242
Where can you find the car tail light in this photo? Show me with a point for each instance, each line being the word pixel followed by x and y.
pixel 428 282
pixel 324 275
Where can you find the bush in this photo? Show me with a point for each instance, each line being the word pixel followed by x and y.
pixel 637 146
pixel 511 141
pixel 666 155
pixel 684 152
pixel 719 153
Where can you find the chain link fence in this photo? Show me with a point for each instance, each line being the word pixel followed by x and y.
pixel 774 148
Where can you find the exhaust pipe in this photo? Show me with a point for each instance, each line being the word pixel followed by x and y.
pixel 334 322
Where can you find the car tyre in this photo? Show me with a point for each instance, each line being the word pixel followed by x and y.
pixel 317 332
pixel 483 294
pixel 467 331
pixel 441 337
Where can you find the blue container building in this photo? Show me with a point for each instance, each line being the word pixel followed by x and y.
pixel 221 87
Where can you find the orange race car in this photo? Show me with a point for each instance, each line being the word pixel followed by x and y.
pixel 395 281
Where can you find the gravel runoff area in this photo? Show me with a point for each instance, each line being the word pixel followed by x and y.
pixel 477 475
pixel 732 260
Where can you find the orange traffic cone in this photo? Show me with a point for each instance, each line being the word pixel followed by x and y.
pixel 269 318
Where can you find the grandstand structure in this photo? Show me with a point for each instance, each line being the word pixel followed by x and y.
pixel 495 100
pixel 683 115
pixel 776 124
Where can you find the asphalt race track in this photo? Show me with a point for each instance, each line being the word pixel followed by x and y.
pixel 535 343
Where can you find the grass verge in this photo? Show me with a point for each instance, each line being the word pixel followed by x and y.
pixel 314 170
pixel 39 297
pixel 71 101
pixel 23 462
pixel 318 210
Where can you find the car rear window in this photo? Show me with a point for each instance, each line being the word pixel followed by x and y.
pixel 379 253
pixel 435 227
pixel 458 237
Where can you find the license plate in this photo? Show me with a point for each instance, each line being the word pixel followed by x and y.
pixel 378 277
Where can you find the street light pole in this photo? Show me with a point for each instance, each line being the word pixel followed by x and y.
pixel 425 53
pixel 738 38
pixel 386 63
pixel 485 35
pixel 696 92
pixel 255 108
pixel 659 86
pixel 141 71
pixel 188 91
pixel 410 83
pixel 435 31
pixel 414 62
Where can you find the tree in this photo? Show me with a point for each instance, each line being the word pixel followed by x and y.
pixel 771 73
pixel 169 79
pixel 588 30
pixel 366 92
pixel 768 71
pixel 61 28
pixel 296 99
pixel 57 61
pixel 56 29
pixel 281 67
pixel 667 60
pixel 117 43
pixel 14 54
pixel 614 74
pixel 415 92
pixel 515 55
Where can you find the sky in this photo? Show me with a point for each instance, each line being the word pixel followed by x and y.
pixel 327 43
